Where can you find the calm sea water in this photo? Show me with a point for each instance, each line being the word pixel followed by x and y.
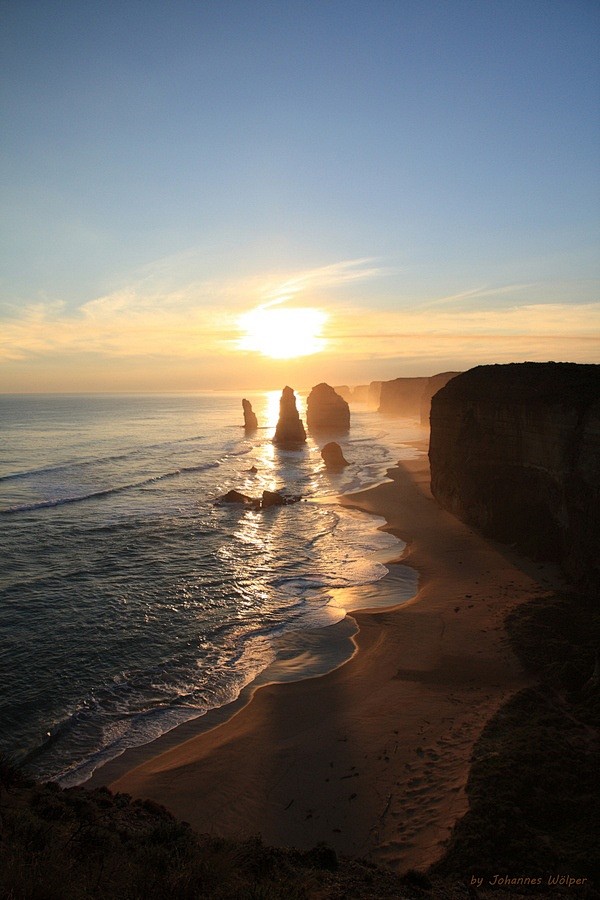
pixel 129 602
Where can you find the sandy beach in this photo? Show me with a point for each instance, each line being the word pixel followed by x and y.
pixel 372 758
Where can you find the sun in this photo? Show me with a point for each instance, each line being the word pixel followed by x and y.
pixel 283 333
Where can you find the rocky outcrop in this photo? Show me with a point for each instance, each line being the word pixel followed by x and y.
pixel 290 430
pixel 434 384
pixel 275 498
pixel 269 498
pixel 326 411
pixel 333 457
pixel 402 397
pixel 515 451
pixel 250 421
pixel 237 497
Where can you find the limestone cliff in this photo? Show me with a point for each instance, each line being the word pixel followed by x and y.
pixel 515 451
pixel 360 393
pixel 411 397
pixel 434 384
pixel 374 395
pixel 326 411
pixel 402 396
pixel 290 430
pixel 344 391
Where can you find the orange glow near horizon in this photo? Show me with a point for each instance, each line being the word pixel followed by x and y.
pixel 283 333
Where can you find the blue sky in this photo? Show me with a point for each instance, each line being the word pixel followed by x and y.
pixel 172 163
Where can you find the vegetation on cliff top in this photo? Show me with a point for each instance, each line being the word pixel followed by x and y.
pixel 73 844
pixel 533 788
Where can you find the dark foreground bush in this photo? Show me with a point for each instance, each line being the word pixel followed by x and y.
pixel 74 844
pixel 533 789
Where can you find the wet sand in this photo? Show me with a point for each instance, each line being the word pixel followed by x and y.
pixel 373 757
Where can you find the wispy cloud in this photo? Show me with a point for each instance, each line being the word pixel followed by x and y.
pixel 313 280
pixel 476 294
pixel 155 317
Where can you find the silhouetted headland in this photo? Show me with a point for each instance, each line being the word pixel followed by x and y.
pixel 515 451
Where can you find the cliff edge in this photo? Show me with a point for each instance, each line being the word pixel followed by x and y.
pixel 515 451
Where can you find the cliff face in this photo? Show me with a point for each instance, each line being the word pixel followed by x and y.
pixel 434 384
pixel 360 393
pixel 411 397
pixel 374 395
pixel 402 396
pixel 515 451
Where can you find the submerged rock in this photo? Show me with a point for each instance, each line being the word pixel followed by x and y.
pixel 250 420
pixel 333 457
pixel 290 430
pixel 326 410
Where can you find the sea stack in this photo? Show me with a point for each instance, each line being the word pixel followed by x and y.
pixel 290 430
pixel 326 411
pixel 333 457
pixel 250 420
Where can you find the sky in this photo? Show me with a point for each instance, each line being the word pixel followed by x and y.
pixel 229 194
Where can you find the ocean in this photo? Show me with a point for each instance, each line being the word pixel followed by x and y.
pixel 131 603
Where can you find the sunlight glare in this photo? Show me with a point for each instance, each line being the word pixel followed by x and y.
pixel 283 333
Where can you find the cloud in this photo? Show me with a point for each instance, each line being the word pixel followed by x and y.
pixel 148 318
pixel 313 280
pixel 155 317
pixel 476 294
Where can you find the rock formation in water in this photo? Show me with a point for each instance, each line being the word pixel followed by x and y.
pixel 250 420
pixel 290 430
pixel 333 457
pixel 326 411
pixel 237 497
pixel 434 384
pixel 269 498
pixel 515 451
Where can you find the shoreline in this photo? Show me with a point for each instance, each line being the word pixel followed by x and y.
pixel 302 655
pixel 373 757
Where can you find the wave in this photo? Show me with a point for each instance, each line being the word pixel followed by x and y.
pixel 96 460
pixel 106 492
